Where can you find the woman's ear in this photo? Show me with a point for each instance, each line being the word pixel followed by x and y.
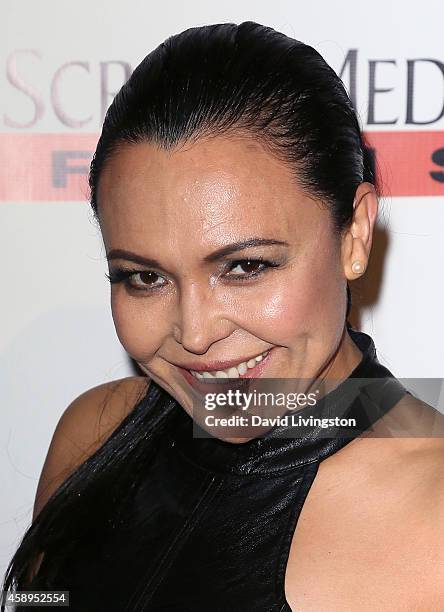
pixel 357 237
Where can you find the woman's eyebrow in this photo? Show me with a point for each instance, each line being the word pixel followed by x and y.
pixel 239 246
pixel 211 257
pixel 129 256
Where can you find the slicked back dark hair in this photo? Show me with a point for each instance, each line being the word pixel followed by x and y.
pixel 250 79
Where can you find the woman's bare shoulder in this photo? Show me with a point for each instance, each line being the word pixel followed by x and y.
pixel 92 416
pixel 83 427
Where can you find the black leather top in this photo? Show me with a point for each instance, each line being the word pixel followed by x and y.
pixel 211 523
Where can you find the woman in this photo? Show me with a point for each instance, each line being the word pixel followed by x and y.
pixel 236 199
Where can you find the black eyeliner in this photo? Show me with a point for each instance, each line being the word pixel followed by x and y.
pixel 119 274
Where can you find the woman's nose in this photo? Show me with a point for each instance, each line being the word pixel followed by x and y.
pixel 200 320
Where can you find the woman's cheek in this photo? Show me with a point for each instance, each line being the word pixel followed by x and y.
pixel 272 312
pixel 287 313
pixel 140 325
pixel 295 305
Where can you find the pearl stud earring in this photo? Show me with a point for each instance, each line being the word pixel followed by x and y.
pixel 357 267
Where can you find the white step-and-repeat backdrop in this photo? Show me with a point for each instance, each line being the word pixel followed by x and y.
pixel 61 64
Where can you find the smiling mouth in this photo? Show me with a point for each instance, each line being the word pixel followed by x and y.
pixel 235 371
pixel 230 378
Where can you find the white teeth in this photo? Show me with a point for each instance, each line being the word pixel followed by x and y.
pixel 221 374
pixel 242 368
pixel 196 374
pixel 234 371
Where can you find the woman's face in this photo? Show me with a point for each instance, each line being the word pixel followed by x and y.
pixel 231 259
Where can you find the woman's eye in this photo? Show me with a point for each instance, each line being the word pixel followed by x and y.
pixel 247 268
pixel 138 280
pixel 146 279
pixel 149 281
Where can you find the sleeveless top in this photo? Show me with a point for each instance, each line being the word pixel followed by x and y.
pixel 211 523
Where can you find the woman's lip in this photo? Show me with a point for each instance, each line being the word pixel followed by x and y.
pixel 205 386
pixel 213 366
